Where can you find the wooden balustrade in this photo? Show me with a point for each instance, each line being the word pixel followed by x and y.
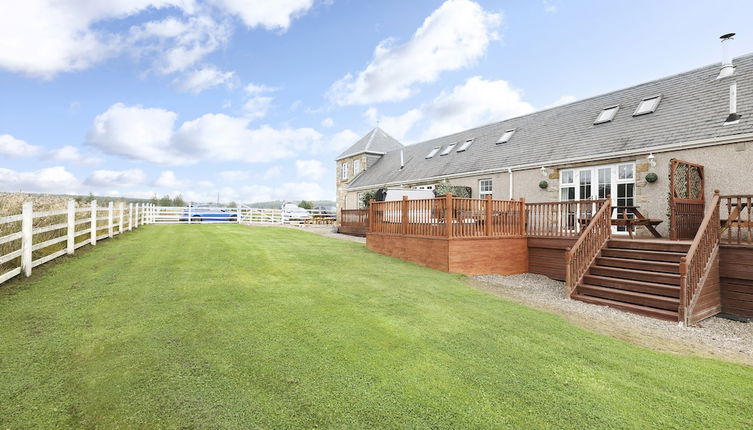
pixel 694 267
pixel 736 218
pixel 594 236
pixel 560 219
pixel 448 216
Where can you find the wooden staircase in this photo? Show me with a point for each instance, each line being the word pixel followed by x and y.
pixel 639 276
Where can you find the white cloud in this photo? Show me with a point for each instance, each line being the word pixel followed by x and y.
pixel 167 179
pixel 116 178
pixel 52 179
pixel 254 89
pixel 148 134
pixel 342 140
pixel 328 122
pixel 234 176
pixel 549 6
pixel 561 101
pixel 257 107
pixel 310 169
pixel 272 172
pixel 453 37
pixel 204 78
pixel 72 154
pixel 397 126
pixel 276 14
pixel 14 148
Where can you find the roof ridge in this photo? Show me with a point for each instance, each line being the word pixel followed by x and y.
pixel 371 139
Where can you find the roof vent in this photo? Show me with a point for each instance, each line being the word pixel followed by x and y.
pixel 733 117
pixel 727 68
pixel 402 159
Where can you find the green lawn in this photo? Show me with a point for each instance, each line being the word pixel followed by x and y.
pixel 226 326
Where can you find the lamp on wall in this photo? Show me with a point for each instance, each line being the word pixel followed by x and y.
pixel 651 160
pixel 544 172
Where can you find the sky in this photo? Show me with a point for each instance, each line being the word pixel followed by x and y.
pixel 252 100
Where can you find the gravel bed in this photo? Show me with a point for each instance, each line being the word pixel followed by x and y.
pixel 327 231
pixel 715 337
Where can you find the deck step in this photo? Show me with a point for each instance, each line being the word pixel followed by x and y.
pixel 628 296
pixel 638 254
pixel 629 307
pixel 649 245
pixel 636 275
pixel 663 290
pixel 651 266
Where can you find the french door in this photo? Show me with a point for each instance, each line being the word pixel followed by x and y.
pixel 598 182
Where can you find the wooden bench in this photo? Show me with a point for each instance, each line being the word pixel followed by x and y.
pixel 638 220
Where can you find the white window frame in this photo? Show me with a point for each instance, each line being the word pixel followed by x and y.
pixel 433 152
pixel 506 136
pixel 645 99
pixel 448 149
pixel 610 118
pixel 356 167
pixel 359 202
pixel 482 192
pixel 344 170
pixel 465 145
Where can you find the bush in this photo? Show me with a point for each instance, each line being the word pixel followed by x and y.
pixel 457 191
pixel 305 204
pixel 367 197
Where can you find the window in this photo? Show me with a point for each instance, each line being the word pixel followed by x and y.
pixel 344 171
pixel 567 185
pixel 356 167
pixel 484 187
pixel 607 114
pixel 625 171
pixel 506 136
pixel 359 203
pixel 647 105
pixel 433 152
pixel 448 149
pixel 465 145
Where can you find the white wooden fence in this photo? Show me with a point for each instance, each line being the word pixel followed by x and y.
pixel 88 225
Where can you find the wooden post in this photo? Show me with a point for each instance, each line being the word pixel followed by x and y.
pixel 682 309
pixel 130 216
pixel 71 226
pixel 109 220
pixel 238 210
pixel 404 218
pixel 488 221
pixel 189 213
pixel 93 232
pixel 448 214
pixel 568 271
pixel 522 216
pixel 27 236
pixel 121 206
pixel 370 219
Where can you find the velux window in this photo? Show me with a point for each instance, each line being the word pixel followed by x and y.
pixel 465 145
pixel 607 114
pixel 448 149
pixel 647 105
pixel 506 136
pixel 433 152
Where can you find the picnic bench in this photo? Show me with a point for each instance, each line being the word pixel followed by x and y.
pixel 638 220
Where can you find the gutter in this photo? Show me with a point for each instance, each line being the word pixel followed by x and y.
pixel 693 144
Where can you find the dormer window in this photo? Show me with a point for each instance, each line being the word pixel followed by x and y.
pixel 433 152
pixel 506 136
pixel 647 105
pixel 607 114
pixel 448 149
pixel 465 145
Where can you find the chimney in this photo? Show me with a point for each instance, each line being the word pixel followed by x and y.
pixel 727 68
pixel 402 159
pixel 733 117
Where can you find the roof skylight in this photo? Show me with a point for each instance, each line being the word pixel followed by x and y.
pixel 448 148
pixel 433 152
pixel 647 105
pixel 465 145
pixel 506 136
pixel 607 114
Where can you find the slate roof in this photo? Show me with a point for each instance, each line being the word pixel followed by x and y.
pixel 693 106
pixel 374 141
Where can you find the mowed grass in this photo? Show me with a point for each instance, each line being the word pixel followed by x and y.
pixel 226 326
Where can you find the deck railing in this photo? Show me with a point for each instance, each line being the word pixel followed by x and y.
pixel 448 216
pixel 560 219
pixel 694 267
pixel 592 239
pixel 737 219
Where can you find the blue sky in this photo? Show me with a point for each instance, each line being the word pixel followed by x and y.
pixel 254 99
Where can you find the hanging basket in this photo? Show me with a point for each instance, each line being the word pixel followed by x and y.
pixel 544 185
pixel 651 177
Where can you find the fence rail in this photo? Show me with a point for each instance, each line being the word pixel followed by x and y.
pixel 449 217
pixel 736 218
pixel 560 219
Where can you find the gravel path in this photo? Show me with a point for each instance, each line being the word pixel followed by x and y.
pixel 715 337
pixel 327 231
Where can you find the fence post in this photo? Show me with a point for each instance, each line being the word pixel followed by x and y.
pixel 93 232
pixel 238 210
pixel 189 213
pixel 27 222
pixel 71 226
pixel 370 217
pixel 109 220
pixel 448 214
pixel 121 206
pixel 488 221
pixel 683 308
pixel 404 217
pixel 522 216
pixel 130 216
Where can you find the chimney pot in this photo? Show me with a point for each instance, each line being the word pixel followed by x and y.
pixel 727 68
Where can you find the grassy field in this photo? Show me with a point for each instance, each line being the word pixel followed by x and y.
pixel 226 326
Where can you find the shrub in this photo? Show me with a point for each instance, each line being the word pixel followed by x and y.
pixel 457 191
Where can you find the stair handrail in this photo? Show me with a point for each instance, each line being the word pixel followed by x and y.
pixel 580 256
pixel 695 265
